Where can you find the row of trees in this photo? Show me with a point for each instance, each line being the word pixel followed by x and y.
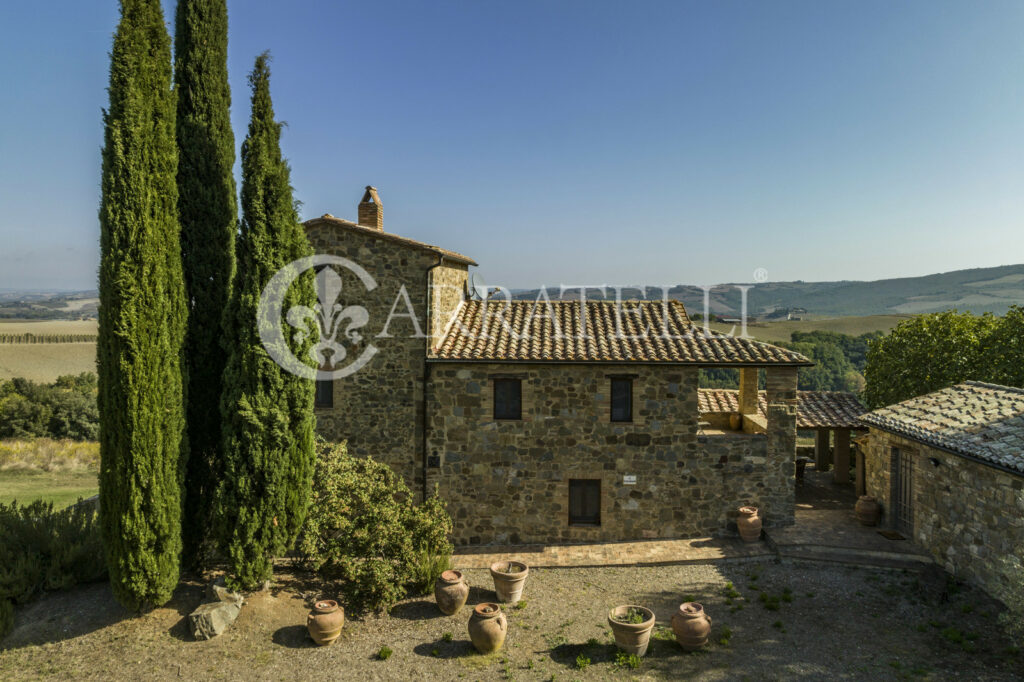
pixel 930 352
pixel 203 443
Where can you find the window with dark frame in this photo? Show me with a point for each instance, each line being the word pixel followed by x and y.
pixel 622 399
pixel 584 502
pixel 508 399
pixel 324 396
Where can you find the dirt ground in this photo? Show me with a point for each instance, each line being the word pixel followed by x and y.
pixel 815 622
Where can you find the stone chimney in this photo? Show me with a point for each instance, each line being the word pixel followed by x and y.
pixel 371 212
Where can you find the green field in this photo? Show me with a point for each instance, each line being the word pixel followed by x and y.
pixel 783 329
pixel 60 487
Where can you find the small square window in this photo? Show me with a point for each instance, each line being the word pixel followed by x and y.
pixel 508 399
pixel 324 396
pixel 622 399
pixel 584 502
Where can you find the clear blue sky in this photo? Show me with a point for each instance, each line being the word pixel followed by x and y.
pixel 580 142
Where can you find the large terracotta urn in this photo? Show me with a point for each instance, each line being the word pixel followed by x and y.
pixel 325 621
pixel 450 592
pixel 487 627
pixel 749 524
pixel 632 627
pixel 691 626
pixel 509 578
pixel 867 510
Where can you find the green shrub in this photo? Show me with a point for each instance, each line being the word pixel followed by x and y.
pixel 384 653
pixel 624 660
pixel 364 532
pixel 582 661
pixel 6 617
pixel 46 549
pixel 427 568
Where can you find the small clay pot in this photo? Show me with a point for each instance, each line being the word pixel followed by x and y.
pixel 735 421
pixel 867 510
pixel 487 627
pixel 450 592
pixel 749 524
pixel 509 578
pixel 691 626
pixel 632 638
pixel 325 621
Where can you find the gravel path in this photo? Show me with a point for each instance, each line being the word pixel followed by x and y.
pixel 831 623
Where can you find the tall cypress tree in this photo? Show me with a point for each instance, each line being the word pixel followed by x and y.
pixel 142 316
pixel 267 412
pixel 209 220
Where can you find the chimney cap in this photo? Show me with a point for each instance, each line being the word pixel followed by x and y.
pixel 370 196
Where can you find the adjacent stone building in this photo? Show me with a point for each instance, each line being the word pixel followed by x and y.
pixel 948 471
pixel 540 421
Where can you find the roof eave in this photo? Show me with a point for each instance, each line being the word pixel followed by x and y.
pixel 945 448
pixel 388 236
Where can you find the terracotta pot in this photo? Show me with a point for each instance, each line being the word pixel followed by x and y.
pixel 867 510
pixel 509 579
pixel 324 622
pixel 450 592
pixel 735 421
pixel 749 524
pixel 487 627
pixel 632 638
pixel 691 626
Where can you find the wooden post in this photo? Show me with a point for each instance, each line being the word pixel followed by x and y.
pixel 860 484
pixel 821 458
pixel 842 456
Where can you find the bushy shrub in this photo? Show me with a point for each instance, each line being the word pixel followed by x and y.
pixel 63 409
pixel 46 549
pixel 364 532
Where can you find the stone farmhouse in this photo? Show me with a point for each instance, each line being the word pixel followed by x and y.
pixel 549 422
pixel 948 471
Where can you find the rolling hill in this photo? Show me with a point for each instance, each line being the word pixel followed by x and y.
pixel 977 290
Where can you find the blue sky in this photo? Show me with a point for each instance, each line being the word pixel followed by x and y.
pixel 580 142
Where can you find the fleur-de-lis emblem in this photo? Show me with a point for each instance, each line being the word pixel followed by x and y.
pixel 329 315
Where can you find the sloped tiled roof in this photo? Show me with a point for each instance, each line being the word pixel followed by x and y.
pixel 815 409
pixel 328 219
pixel 982 421
pixel 639 331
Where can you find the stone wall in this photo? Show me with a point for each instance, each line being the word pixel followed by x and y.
pixel 506 482
pixel 968 515
pixel 379 409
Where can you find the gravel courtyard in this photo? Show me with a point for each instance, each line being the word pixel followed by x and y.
pixel 814 622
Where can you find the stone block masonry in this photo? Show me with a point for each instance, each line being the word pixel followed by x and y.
pixel 507 482
pixel 967 514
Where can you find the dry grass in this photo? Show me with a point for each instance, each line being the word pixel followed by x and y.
pixel 50 327
pixel 783 329
pixel 45 454
pixel 44 362
pixel 43 469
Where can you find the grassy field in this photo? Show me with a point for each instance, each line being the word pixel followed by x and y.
pixel 782 330
pixel 46 361
pixel 44 469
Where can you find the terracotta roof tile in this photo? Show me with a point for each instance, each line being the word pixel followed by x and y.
pixel 983 421
pixel 815 409
pixel 638 331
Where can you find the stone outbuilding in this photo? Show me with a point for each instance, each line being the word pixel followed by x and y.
pixel 948 471
pixel 548 421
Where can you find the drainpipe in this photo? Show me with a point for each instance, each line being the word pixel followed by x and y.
pixel 426 373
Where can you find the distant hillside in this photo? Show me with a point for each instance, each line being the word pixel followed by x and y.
pixel 48 305
pixel 978 290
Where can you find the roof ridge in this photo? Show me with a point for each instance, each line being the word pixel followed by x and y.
pixel 985 384
pixel 389 236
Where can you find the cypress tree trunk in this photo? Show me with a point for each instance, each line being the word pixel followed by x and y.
pixel 209 220
pixel 142 316
pixel 267 412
